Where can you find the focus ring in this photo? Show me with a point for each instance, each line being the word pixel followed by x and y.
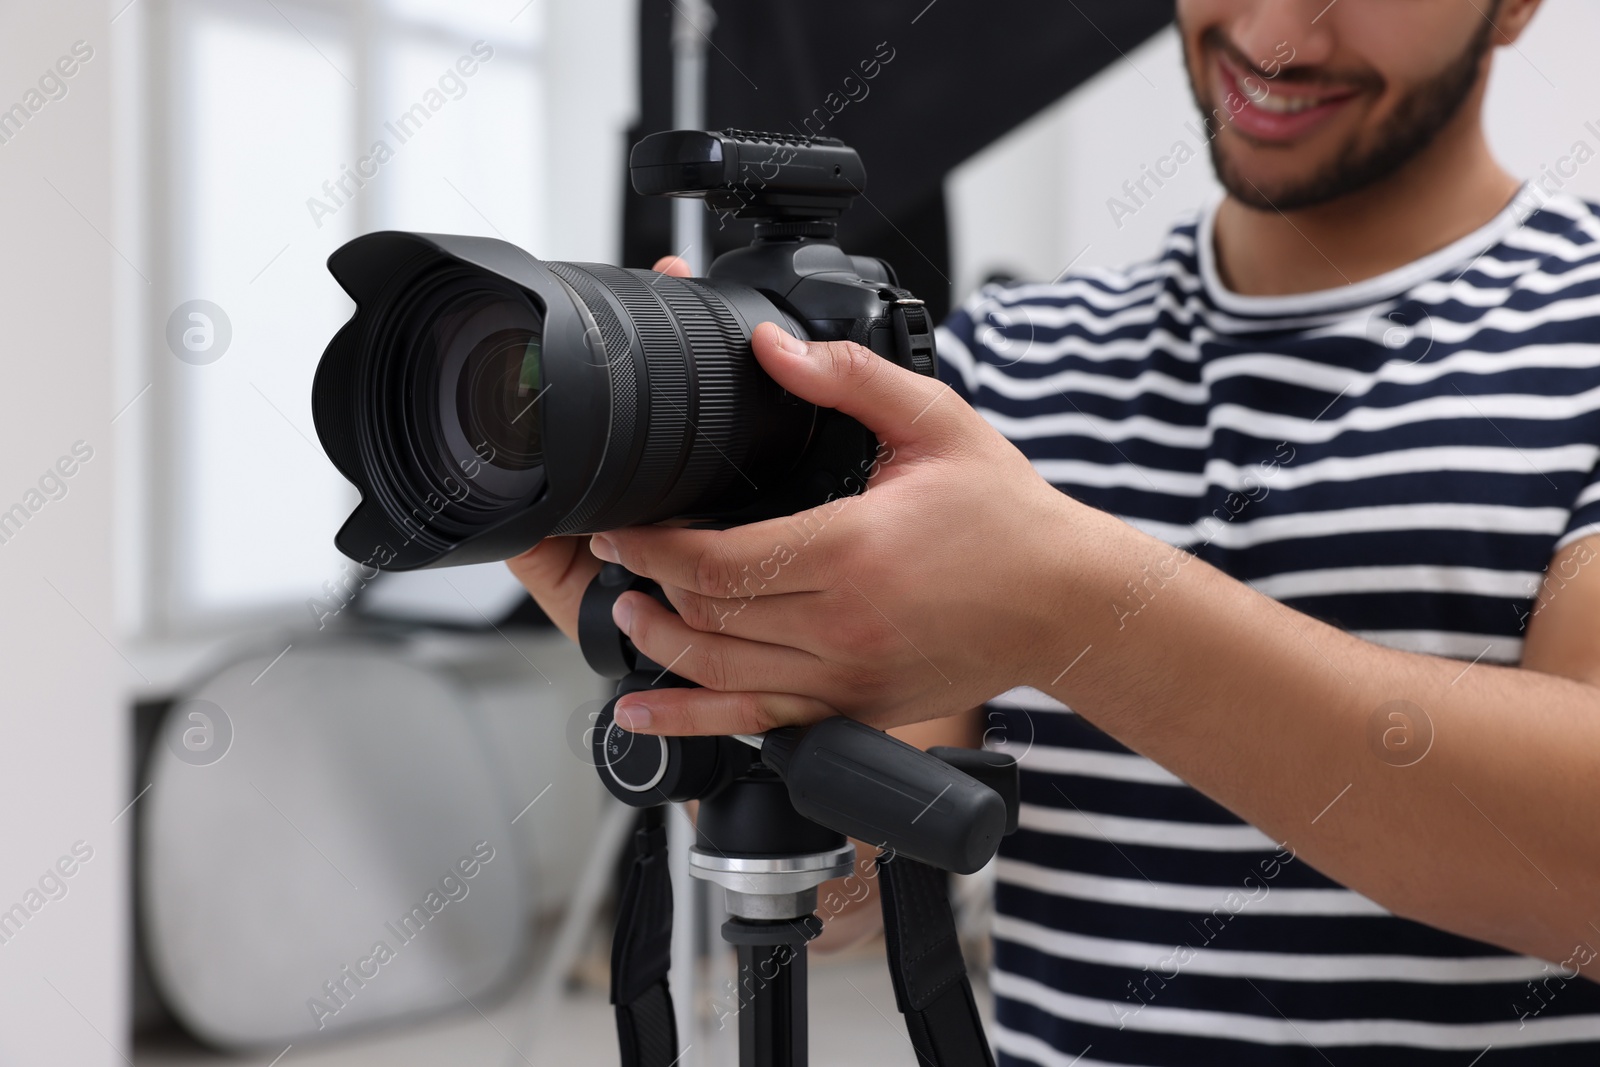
pixel 726 380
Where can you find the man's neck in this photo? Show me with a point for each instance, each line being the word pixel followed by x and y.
pixel 1449 190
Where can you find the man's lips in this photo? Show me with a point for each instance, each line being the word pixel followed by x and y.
pixel 1276 112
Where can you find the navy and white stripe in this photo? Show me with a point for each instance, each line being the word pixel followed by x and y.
pixel 1400 457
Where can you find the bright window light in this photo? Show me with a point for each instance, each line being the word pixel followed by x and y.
pixel 271 109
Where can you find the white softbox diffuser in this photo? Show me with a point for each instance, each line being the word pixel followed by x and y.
pixel 324 847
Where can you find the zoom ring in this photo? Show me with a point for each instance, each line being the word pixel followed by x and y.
pixel 727 386
pixel 669 402
pixel 626 398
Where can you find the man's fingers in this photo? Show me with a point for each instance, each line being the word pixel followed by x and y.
pixel 715 661
pixel 673 265
pixel 898 405
pixel 677 712
pixel 762 559
pixel 556 571
pixel 768 619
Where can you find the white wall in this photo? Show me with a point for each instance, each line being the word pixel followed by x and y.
pixel 1545 90
pixel 1037 199
pixel 62 732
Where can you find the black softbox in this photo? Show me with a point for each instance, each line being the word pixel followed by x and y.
pixel 960 74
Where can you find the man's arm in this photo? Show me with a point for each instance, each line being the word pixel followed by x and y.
pixel 1491 833
pixel 1563 636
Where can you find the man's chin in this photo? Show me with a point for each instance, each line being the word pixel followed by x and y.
pixel 1258 181
pixel 1263 193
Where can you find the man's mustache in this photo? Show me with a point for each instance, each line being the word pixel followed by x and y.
pixel 1214 39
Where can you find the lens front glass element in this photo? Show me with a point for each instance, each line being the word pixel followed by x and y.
pixel 476 383
pixel 499 385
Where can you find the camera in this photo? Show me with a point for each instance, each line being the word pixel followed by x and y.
pixel 482 399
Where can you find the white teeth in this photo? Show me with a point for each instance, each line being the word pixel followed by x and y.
pixel 1284 105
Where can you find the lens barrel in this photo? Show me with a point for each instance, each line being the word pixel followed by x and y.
pixel 482 399
pixel 702 427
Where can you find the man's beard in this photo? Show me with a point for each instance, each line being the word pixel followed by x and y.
pixel 1416 121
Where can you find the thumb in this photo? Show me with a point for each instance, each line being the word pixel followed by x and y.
pixel 898 405
pixel 676 266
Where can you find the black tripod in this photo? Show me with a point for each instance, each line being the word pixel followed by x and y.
pixel 774 814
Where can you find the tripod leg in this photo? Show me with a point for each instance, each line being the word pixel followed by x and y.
pixel 772 990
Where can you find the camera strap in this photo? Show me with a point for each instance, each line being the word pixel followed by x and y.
pixel 642 951
pixel 913 332
pixel 931 987
pixel 904 334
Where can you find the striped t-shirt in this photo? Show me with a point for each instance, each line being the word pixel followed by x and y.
pixel 1399 457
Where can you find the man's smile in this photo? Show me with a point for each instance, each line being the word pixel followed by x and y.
pixel 1275 112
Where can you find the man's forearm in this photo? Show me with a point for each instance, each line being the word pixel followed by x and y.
pixel 1269 712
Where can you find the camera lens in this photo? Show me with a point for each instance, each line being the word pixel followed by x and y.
pixel 480 366
pixel 498 387
pixel 462 425
pixel 482 400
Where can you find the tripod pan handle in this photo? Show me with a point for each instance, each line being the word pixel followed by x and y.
pixel 862 782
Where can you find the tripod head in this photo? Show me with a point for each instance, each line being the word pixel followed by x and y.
pixel 948 810
pixel 774 812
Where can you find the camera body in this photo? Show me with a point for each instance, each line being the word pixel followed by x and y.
pixel 482 399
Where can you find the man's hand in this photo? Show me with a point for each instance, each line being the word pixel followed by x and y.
pixel 921 597
pixel 557 570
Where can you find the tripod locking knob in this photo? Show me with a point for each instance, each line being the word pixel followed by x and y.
pixel 644 770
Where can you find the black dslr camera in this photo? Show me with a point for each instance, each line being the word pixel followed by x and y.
pixel 481 399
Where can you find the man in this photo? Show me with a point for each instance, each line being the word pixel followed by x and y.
pixel 1297 520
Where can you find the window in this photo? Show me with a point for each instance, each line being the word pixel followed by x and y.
pixel 282 130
